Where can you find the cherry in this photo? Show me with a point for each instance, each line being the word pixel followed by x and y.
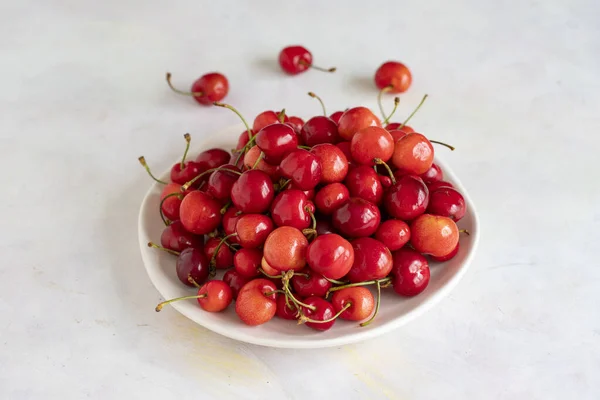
pixel 267 118
pixel 331 197
pixel 433 174
pixel 447 202
pixel 399 126
pixel 207 89
pixel 213 296
pixel 253 229
pixel 413 154
pixel 319 130
pixel 235 281
pixel 386 181
pixel 183 171
pixel 175 237
pixel 449 255
pixel 324 226
pixel 372 260
pixel 242 140
pixel 256 302
pixel 229 222
pixel 292 208
pixel 267 268
pixel 286 310
pixel 276 141
pixel 371 143
pixel 303 168
pixel 296 59
pixel 224 257
pixel 439 184
pixel 171 205
pixel 393 75
pixel 253 160
pixel 410 272
pixel 310 194
pixel 221 182
pixel 397 134
pixel 247 262
pixel 334 163
pixel 434 235
pixel 192 263
pixel 322 311
pixel 345 148
pixel 314 284
pixel 357 218
pixel 355 119
pixel 365 183
pixel 285 249
pixel 200 213
pixel 335 117
pixel 361 303
pixel 393 233
pixel 253 192
pixel 330 255
pixel 407 199
pixel 213 158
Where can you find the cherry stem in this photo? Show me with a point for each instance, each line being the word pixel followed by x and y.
pixel 219 104
pixel 304 318
pixel 365 283
pixel 225 207
pixel 376 306
pixel 181 91
pixel 413 113
pixel 154 245
pixel 282 184
pixel 273 292
pixel 443 144
pixel 161 305
pixel 189 183
pixel 379 161
pixel 281 116
pixel 304 147
pixel 396 102
pixel 258 160
pixel 193 281
pixel 262 271
pixel 188 138
pixel 335 281
pixel 332 69
pixel 466 232
pixel 312 217
pixel 160 207
pixel 213 259
pixel 309 231
pixel 381 92
pixel 285 279
pixel 314 96
pixel 142 161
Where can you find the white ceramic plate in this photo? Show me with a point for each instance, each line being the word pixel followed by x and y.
pixel 394 312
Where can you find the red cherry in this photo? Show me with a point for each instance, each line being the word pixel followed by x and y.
pixel 398 126
pixel 361 303
pixel 253 229
pixel 372 260
pixel 267 268
pixel 207 89
pixel 221 182
pixel 365 183
pixel 276 141
pixel 357 218
pixel 297 123
pixel 171 205
pixel 355 119
pixel 449 256
pixel 314 284
pixel 310 194
pixel 253 192
pixel 323 311
pixel 393 75
pixel 285 249
pixel 330 255
pixel 331 197
pixel 413 154
pixel 256 302
pixel 433 174
pixel 335 117
pixel 247 262
pixel 284 310
pixel 447 202
pixel 410 272
pixel 217 296
pixel 291 208
pixel 235 281
pixel 386 181
pixel 393 233
pixel 242 140
pixel 345 148
pixel 250 161
pixel 439 184
pixel 397 134
pixel 200 213
pixel 192 263
pixel 303 168
pixel 213 158
pixel 371 143
pixel 319 130
pixel 407 199
pixel 434 235
pixel 175 237
pixel 190 170
pixel 229 221
pixel 296 59
pixel 266 118
pixel 224 258
pixel 334 163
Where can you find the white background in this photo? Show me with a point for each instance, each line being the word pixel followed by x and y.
pixel 514 85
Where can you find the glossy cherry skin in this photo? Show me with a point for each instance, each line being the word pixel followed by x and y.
pixel 330 255
pixel 355 119
pixel 413 154
pixel 285 249
pixel 220 182
pixel 372 260
pixel 313 285
pixel 449 256
pixel 224 258
pixel 393 233
pixel 170 207
pixel 297 123
pixel 407 199
pixel 266 118
pixel 218 296
pixel 434 235
pixel 324 226
pixel 371 143
pixel 229 221
pixel 410 273
pixel 247 262
pixel 292 208
pixel 255 305
pixel 365 183
pixel 200 213
pixel 345 148
pixel 276 141
pixel 396 126
pixel 213 86
pixel 447 202
pixel 284 311
pixel 319 129
pixel 252 156
pixel 357 218
pixel 335 117
pixel 397 134
pixel 330 197
pixel 235 281
pixel 253 192
pixel 295 59
pixel 395 75
pixel 253 229
pixel 433 174
pixel 323 311
pixel 310 194
pixel 334 163
pixel 213 158
pixel 439 184
pixel 303 168
pixel 361 301
pixel 175 237
pixel 192 263
pixel 190 170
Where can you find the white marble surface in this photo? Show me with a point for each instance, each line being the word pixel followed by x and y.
pixel 514 85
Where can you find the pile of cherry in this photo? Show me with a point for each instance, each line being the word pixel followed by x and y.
pixel 303 216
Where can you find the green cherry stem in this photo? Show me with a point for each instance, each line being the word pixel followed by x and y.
pixel 281 116
pixel 188 138
pixel 332 69
pixel 365 283
pixel 379 161
pixel 336 282
pixel 285 279
pixel 466 232
pixel 314 96
pixel 189 183
pixel 219 104
pixel 225 207
pixel 160 207
pixel 193 281
pixel 300 146
pixel 213 259
pixel 303 318
pixel 154 245
pixel 443 144
pixel 413 113
pixel 262 271
pixel 142 161
pixel 258 160
pixel 381 92
pixel 376 306
pixel 161 305
pixel 181 91
pixel 396 103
